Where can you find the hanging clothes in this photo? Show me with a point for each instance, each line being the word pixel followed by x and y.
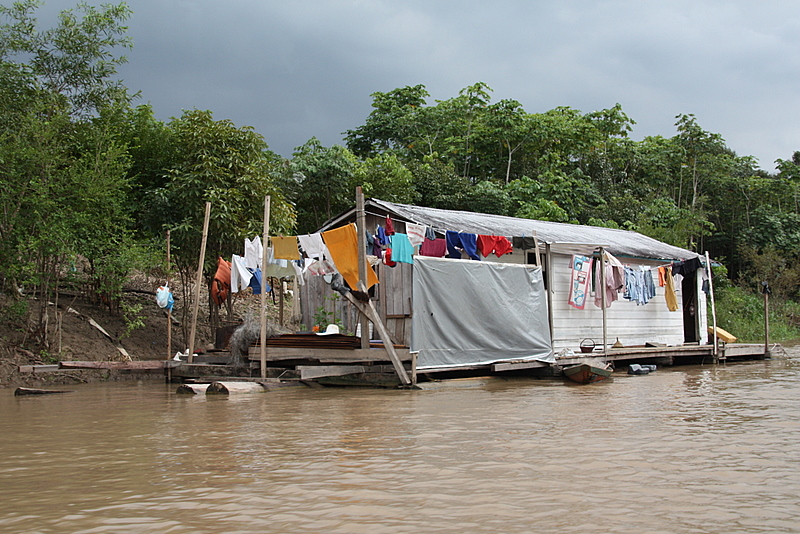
pixel 524 242
pixel 285 248
pixel 416 234
pixel 662 276
pixel 615 281
pixel 342 244
pixel 240 276
pixel 686 267
pixel 669 291
pixel 252 252
pixel 221 285
pixel 494 244
pixel 387 258
pixel 313 246
pixel 389 226
pixel 277 268
pixel 381 238
pixel 401 249
pixel 257 282
pixel 458 241
pixel 435 248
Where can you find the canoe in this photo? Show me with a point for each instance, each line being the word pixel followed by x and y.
pixel 585 373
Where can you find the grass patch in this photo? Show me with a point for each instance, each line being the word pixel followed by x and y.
pixel 741 313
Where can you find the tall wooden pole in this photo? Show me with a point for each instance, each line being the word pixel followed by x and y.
pixel 603 299
pixel 713 305
pixel 199 281
pixel 265 243
pixel 362 262
pixel 169 312
pixel 766 292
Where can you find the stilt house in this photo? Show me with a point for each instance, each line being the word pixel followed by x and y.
pixel 536 313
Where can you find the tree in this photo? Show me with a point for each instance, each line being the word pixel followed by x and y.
pixel 320 183
pixel 388 127
pixel 386 178
pixel 234 170
pixel 62 167
pixel 74 60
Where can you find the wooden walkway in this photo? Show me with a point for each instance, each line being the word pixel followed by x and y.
pixel 345 365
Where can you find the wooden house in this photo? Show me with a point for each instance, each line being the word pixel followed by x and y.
pixel 630 323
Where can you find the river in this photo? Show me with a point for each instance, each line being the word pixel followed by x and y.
pixel 700 449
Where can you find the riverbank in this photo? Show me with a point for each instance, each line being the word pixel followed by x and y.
pixel 72 335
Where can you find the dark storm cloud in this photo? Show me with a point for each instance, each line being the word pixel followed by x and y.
pixel 302 68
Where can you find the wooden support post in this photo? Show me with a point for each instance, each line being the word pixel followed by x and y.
pixel 369 310
pixel 265 243
pixel 199 282
pixel 169 312
pixel 414 368
pixel 603 299
pixel 713 306
pixel 362 261
pixel 766 291
pixel 549 274
pixel 280 301
pixel 536 250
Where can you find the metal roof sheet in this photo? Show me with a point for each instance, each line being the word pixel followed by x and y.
pixel 618 242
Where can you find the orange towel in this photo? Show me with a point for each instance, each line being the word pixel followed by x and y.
pixel 221 284
pixel 342 243
pixel 285 248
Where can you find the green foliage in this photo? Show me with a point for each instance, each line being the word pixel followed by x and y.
pixel 385 177
pixel 320 183
pixel 663 220
pixel 322 317
pixel 488 197
pixel 741 313
pixel 228 166
pixel 131 313
pixel 75 59
pixel 541 209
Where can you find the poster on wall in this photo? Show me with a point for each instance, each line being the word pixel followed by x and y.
pixel 579 286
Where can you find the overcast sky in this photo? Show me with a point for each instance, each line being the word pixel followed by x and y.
pixel 294 69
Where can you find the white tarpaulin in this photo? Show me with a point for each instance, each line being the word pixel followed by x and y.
pixel 477 312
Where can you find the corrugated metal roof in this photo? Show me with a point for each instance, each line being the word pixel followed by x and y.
pixel 623 243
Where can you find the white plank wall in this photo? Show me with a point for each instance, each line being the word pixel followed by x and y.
pixel 633 324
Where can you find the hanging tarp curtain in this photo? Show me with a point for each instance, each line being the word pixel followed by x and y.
pixel 476 313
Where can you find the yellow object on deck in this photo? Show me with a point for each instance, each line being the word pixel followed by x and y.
pixel 723 335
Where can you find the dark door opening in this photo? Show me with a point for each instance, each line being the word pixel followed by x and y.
pixel 689 298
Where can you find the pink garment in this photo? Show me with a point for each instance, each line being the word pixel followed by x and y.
pixel 615 282
pixel 436 248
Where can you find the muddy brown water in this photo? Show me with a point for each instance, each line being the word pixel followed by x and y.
pixel 711 449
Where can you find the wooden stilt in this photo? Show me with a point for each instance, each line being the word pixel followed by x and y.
pixel 368 309
pixel 199 282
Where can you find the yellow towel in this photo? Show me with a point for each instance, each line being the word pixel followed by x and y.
pixel 669 291
pixel 342 243
pixel 285 248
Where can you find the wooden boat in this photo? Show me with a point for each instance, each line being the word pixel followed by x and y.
pixel 585 373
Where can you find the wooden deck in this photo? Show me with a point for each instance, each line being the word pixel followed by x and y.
pixel 347 365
